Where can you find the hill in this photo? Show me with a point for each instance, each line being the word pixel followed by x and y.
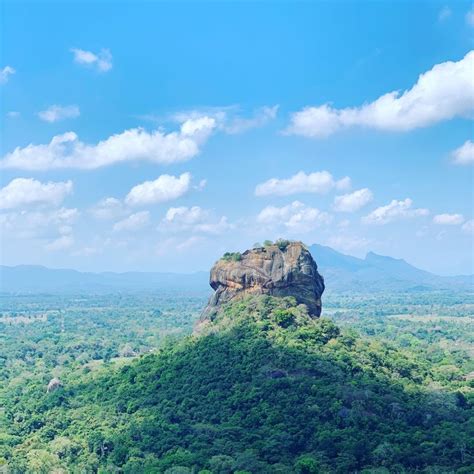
pixel 374 273
pixel 264 388
pixel 37 279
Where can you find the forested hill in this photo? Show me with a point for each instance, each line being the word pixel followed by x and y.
pixel 263 389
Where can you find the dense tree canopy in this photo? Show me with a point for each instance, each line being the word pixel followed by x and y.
pixel 263 388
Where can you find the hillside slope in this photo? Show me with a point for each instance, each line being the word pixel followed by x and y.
pixel 264 388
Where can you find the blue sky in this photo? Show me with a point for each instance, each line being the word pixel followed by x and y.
pixel 156 136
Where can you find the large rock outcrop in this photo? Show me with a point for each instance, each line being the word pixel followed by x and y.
pixel 284 269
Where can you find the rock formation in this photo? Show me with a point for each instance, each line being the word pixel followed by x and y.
pixel 281 269
pixel 53 385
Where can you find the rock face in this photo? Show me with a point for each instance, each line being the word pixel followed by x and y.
pixel 276 270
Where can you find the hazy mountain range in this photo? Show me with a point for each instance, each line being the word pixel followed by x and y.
pixel 342 273
pixel 380 273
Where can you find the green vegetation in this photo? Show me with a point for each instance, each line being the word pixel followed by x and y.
pixel 232 257
pixel 271 391
pixel 282 244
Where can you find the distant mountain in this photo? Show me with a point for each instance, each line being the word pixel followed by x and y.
pixel 379 273
pixel 342 273
pixel 34 279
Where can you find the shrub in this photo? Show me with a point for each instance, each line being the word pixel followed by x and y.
pixel 232 257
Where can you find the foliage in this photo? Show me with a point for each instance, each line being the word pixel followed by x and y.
pixel 282 244
pixel 264 389
pixel 232 257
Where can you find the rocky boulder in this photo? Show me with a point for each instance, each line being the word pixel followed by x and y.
pixel 281 269
pixel 53 385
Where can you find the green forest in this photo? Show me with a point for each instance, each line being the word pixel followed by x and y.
pixel 376 386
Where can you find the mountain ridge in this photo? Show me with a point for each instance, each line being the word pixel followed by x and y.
pixel 342 273
pixel 380 273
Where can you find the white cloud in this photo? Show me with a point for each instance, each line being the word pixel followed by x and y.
pixel 5 74
pixel 227 119
pixel 354 201
pixel 67 151
pixel 319 182
pixel 468 227
pixel 61 243
pixel 133 222
pixel 444 13
pixel 442 93
pixel 165 188
pixel 448 219
pixel 464 155
pixel 54 113
pixel 185 215
pixel 343 184
pixel 394 211
pixel 194 219
pixel 13 114
pixel 294 217
pixel 201 185
pixel 261 117
pixel 102 60
pixel 32 224
pixel 470 17
pixel 27 191
pixel 107 208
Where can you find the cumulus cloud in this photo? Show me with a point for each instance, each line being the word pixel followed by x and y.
pixel 67 151
pixel 61 243
pixel 464 155
pixel 194 219
pixel 102 61
pixel 294 217
pixel 54 113
pixel 448 219
pixel 319 182
pixel 228 119
pixel 31 224
pixel 133 222
pixel 442 93
pixel 354 201
pixel 27 191
pixel 185 215
pixel 107 208
pixel 5 74
pixel 163 189
pixel 395 210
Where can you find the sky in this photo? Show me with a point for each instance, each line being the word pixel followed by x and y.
pixel 156 136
